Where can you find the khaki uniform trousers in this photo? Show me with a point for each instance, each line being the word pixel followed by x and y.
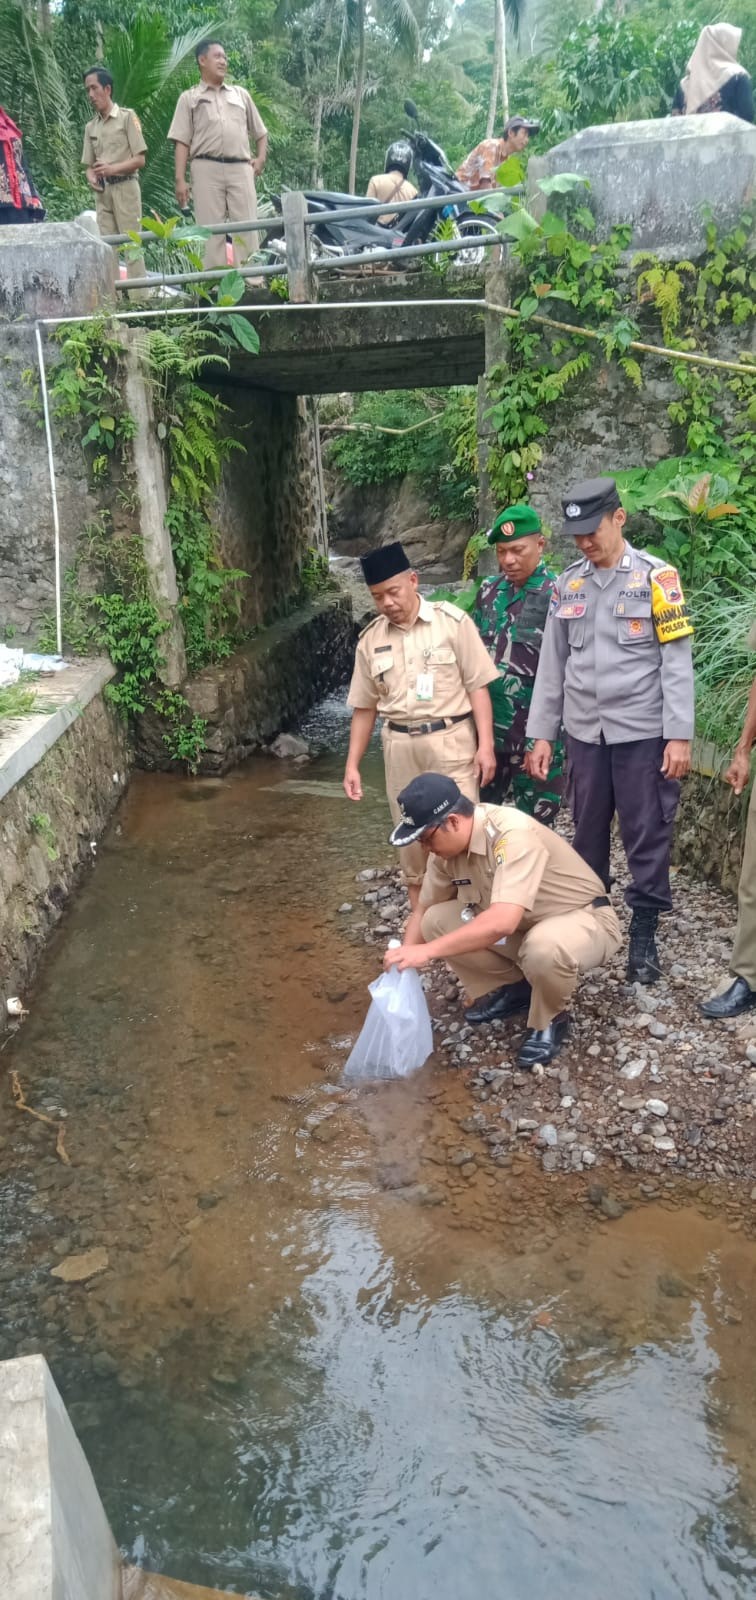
pixel 451 751
pixel 551 955
pixel 119 210
pixel 743 962
pixel 224 192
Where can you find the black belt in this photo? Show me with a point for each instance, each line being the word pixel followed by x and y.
pixel 600 900
pixel 414 728
pixel 123 177
pixel 226 161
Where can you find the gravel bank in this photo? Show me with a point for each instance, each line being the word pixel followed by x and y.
pixel 643 1084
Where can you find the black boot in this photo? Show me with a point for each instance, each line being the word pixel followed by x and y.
pixel 643 959
pixel 503 1002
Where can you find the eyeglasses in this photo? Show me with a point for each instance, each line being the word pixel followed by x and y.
pixel 425 838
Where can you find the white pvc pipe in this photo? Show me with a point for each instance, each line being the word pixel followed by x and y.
pixel 53 491
pixel 286 306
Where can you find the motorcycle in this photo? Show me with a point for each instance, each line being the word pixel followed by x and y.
pixel 333 239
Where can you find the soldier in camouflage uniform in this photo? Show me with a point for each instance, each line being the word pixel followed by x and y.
pixel 510 613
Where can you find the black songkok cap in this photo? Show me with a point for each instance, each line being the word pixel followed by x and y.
pixel 586 503
pixel 380 565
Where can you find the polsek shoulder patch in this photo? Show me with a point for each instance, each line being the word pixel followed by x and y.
pixel 668 608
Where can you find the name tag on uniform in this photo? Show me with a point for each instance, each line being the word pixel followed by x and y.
pixel 424 686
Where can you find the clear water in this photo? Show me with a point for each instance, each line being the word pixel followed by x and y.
pixel 321 1364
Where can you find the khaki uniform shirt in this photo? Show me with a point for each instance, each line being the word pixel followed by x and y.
pixel 390 186
pixel 442 646
pixel 217 122
pixel 616 655
pixel 116 137
pixel 513 860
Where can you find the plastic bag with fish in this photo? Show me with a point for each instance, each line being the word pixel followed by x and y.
pixel 396 1036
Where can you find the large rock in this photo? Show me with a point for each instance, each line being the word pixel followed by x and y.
pixel 657 176
pixel 53 269
pixel 361 519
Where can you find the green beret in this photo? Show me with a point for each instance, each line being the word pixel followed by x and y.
pixel 514 523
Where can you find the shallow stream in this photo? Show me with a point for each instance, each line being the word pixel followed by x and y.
pixel 321 1364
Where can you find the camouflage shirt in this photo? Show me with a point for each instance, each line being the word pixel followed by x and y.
pixel 511 623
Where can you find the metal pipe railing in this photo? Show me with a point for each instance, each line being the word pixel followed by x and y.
pixel 377 208
pixel 363 258
pixel 371 208
pixel 249 225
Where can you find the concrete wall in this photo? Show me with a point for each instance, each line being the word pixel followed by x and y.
pixel 76 785
pixel 711 823
pixel 55 1542
pixel 265 686
pixel 270 506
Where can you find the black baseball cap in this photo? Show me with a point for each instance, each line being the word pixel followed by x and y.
pixel 425 802
pixel 586 503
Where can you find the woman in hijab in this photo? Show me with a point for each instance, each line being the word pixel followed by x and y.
pixel 714 80
pixel 19 201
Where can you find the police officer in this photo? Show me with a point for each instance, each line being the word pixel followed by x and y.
pixel 616 668
pixel 510 614
pixel 507 903
pixel 741 994
pixel 422 666
pixel 113 154
pixel 211 127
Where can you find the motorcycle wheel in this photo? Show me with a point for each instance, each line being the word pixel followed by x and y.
pixel 473 228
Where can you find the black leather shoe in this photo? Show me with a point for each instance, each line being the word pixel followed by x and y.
pixel 543 1044
pixel 503 1002
pixel 738 998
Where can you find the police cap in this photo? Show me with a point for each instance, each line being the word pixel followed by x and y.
pixel 586 503
pixel 425 802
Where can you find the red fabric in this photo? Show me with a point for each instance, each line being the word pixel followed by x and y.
pixel 10 134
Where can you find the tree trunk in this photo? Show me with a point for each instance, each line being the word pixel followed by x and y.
pixel 491 119
pixel 317 129
pixel 503 60
pixel 359 90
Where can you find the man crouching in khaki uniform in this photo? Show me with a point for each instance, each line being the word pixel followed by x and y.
pixel 509 904
pixel 211 127
pixel 422 666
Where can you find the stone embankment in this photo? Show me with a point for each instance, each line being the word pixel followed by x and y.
pixel 644 1083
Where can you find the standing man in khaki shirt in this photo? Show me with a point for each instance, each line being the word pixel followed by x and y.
pixel 423 667
pixel 740 994
pixel 506 902
pixel 211 127
pixel 113 154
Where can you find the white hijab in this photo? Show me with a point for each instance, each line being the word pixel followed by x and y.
pixel 714 60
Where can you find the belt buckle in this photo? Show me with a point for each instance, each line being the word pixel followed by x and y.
pixel 415 732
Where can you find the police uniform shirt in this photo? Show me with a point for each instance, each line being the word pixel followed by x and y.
pixel 616 655
pixel 116 137
pixel 513 860
pixel 217 122
pixel 442 644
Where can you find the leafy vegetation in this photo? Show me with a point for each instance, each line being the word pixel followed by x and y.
pixel 429 435
pixel 331 76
